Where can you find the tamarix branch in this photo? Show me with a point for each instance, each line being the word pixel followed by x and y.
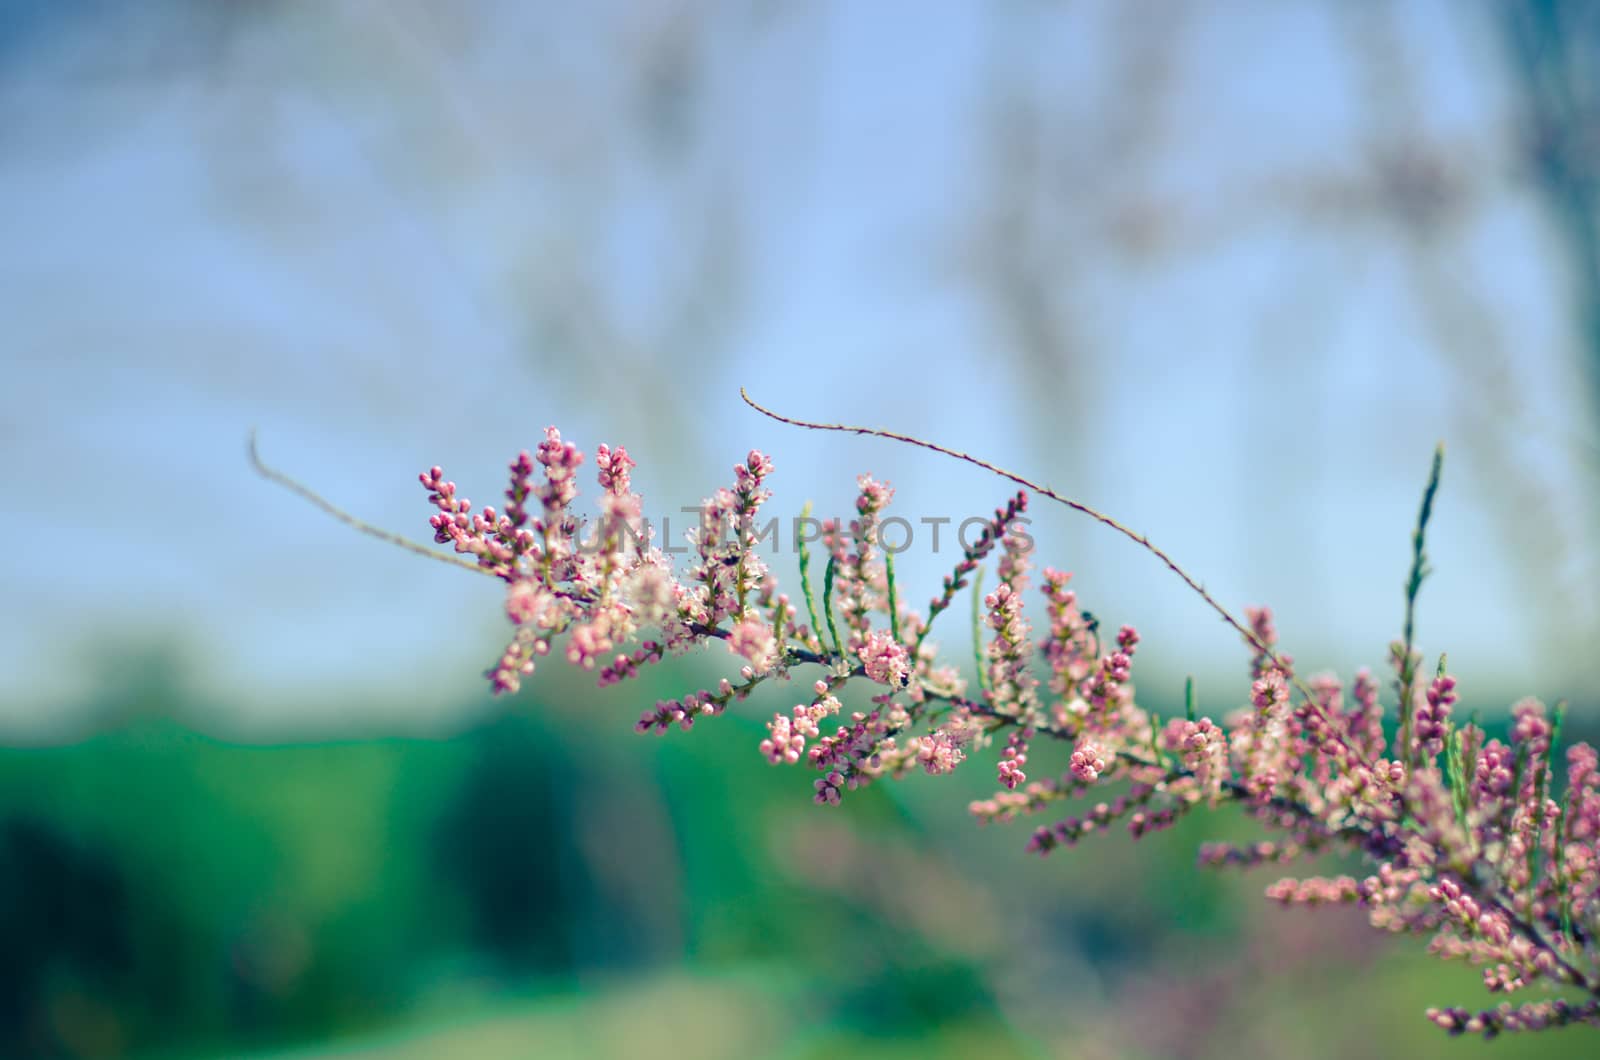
pixel 1472 841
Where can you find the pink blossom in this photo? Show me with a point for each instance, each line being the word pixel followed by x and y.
pixel 1088 761
pixel 874 497
pixel 754 640
pixel 885 660
pixel 1433 717
pixel 938 752
pixel 614 469
pixel 1014 757
pixel 1270 693
pixel 527 601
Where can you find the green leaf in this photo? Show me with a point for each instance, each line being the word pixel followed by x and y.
pixel 805 579
pixel 894 603
pixel 977 629
pixel 827 605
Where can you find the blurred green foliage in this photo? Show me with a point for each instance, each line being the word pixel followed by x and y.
pixel 545 883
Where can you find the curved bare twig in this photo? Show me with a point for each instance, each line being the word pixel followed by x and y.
pixel 305 492
pixel 1044 491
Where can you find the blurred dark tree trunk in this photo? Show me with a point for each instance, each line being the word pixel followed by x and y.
pixel 1554 51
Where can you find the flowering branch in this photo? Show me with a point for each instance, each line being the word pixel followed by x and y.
pixel 1468 841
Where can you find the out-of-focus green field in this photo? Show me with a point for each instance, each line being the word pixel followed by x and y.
pixel 546 883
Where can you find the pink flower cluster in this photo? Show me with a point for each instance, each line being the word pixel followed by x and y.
pixel 1474 842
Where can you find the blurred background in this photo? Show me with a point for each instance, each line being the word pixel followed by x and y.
pixel 1227 271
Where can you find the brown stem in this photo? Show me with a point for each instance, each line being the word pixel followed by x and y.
pixel 1044 491
pixel 305 492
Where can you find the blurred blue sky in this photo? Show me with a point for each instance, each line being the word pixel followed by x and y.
pixel 1228 276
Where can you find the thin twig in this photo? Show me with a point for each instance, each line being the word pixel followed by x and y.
pixel 305 492
pixel 1044 491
